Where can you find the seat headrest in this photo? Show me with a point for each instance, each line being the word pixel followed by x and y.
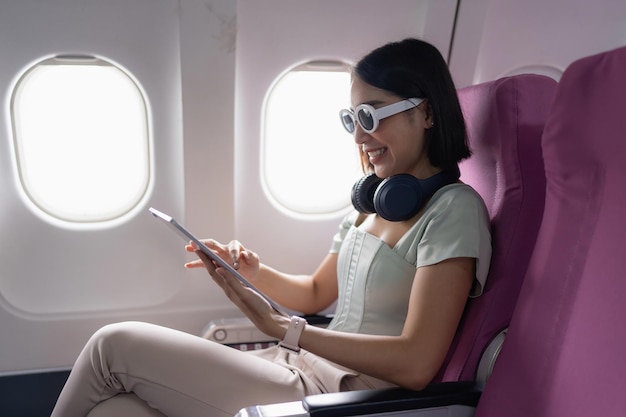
pixel 505 119
pixel 589 115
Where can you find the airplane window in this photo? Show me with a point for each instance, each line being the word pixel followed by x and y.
pixel 81 139
pixel 309 162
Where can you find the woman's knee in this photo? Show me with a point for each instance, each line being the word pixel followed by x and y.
pixel 114 339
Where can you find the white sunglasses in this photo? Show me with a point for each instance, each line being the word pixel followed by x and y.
pixel 368 117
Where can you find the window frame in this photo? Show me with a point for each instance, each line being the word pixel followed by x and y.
pixel 269 189
pixel 59 216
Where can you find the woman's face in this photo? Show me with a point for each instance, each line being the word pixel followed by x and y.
pixel 397 145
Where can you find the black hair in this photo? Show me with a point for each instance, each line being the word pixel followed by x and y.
pixel 414 68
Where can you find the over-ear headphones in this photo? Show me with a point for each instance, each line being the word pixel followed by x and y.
pixel 398 197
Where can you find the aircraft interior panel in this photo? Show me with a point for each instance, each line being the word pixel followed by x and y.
pixel 496 39
pixel 60 278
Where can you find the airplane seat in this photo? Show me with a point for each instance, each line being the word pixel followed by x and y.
pixel 505 120
pixel 564 354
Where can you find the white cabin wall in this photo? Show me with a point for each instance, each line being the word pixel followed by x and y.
pixel 497 38
pixel 185 56
pixel 59 286
pixel 208 42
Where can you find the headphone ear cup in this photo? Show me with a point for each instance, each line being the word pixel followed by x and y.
pixel 363 193
pixel 399 197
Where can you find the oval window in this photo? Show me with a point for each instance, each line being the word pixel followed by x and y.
pixel 309 162
pixel 81 139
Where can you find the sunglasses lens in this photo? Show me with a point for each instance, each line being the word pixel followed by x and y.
pixel 366 119
pixel 347 120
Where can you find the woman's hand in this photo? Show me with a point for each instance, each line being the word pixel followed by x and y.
pixel 245 261
pixel 253 305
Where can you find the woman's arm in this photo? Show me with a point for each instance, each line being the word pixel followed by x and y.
pixel 308 294
pixel 411 360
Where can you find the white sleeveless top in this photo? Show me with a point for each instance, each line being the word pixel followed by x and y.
pixel 375 280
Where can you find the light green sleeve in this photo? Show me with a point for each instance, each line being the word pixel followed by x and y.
pixel 457 226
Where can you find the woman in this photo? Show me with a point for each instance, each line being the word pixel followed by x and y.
pixel 401 271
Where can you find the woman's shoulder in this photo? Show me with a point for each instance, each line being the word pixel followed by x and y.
pixel 457 193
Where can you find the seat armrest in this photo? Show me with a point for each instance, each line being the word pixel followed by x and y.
pixel 353 403
pixel 452 399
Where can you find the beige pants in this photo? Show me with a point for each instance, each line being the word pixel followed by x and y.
pixel 134 369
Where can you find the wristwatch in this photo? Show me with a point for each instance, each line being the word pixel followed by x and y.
pixel 292 337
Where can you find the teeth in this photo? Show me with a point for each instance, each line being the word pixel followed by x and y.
pixel 376 153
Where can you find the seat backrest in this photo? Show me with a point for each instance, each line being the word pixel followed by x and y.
pixel 505 120
pixel 565 351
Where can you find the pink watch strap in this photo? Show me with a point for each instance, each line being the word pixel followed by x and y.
pixel 292 337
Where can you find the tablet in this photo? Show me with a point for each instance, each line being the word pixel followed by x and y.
pixel 188 236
